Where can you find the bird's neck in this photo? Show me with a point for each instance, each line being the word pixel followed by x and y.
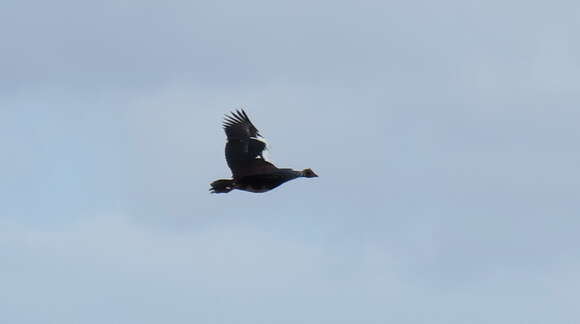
pixel 293 173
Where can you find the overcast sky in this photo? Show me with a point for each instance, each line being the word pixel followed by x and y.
pixel 445 134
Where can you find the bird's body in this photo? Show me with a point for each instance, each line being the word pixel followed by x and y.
pixel 244 155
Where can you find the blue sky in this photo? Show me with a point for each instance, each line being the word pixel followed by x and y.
pixel 445 136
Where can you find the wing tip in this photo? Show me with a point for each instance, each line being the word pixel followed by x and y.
pixel 240 117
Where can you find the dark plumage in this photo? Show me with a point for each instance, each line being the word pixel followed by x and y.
pixel 244 155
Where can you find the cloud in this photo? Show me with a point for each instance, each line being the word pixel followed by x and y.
pixel 109 267
pixel 444 135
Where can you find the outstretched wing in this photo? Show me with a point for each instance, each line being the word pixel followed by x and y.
pixel 239 126
pixel 244 148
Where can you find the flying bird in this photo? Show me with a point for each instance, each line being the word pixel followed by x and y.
pixel 244 155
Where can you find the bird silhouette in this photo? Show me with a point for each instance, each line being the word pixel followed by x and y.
pixel 244 155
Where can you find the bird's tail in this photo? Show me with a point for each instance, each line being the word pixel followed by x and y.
pixel 222 186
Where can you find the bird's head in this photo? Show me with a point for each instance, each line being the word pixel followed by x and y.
pixel 308 173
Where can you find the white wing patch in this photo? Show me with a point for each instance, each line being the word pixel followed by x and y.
pixel 266 151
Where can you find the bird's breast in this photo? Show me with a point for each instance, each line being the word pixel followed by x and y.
pixel 257 188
